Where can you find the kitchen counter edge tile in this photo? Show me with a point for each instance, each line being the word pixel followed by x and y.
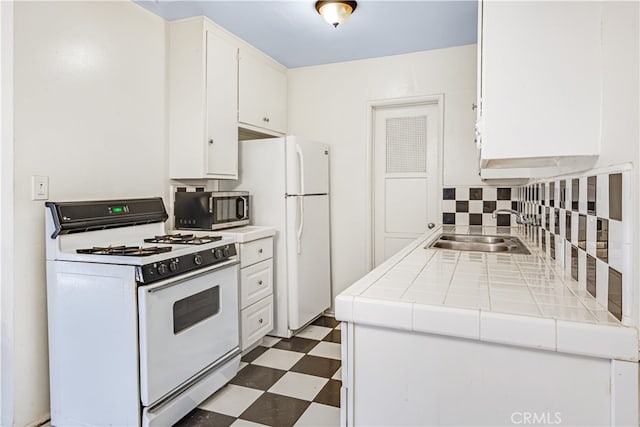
pixel 609 341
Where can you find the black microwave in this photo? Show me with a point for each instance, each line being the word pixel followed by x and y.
pixel 210 210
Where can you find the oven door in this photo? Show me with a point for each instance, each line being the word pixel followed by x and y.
pixel 185 326
pixel 229 210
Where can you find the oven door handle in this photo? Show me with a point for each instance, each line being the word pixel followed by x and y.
pixel 170 282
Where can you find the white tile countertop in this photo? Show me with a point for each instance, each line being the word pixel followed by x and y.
pixel 521 300
pixel 247 233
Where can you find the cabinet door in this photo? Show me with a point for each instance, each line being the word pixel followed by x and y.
pixel 262 93
pixel 276 95
pixel 256 282
pixel 221 158
pixel 256 251
pixel 541 79
pixel 255 322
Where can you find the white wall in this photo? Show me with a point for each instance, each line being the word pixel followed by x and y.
pixel 90 114
pixel 329 103
pixel 6 210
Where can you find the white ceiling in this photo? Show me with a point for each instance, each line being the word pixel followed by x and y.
pixel 295 35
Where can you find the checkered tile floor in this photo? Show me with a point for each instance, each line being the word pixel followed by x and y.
pixel 283 382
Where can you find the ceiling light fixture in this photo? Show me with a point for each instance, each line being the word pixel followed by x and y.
pixel 335 12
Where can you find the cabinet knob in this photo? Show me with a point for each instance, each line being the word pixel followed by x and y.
pixel 474 106
pixel 265 119
pixel 211 141
pixel 260 250
pixel 260 321
pixel 259 282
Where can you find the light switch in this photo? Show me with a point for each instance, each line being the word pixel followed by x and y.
pixel 39 187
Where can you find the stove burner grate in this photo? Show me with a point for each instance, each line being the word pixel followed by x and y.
pixel 183 239
pixel 125 250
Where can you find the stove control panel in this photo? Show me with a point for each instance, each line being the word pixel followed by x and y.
pixel 173 267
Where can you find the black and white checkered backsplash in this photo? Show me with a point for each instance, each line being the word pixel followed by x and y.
pixel 475 205
pixel 586 227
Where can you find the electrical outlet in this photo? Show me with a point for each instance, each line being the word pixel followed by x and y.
pixel 39 187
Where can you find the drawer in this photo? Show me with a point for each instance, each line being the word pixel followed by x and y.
pixel 256 282
pixel 256 321
pixel 256 251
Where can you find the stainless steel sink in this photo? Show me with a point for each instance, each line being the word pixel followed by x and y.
pixel 471 238
pixel 479 243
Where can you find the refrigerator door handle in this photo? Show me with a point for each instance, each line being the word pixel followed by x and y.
pixel 300 226
pixel 301 162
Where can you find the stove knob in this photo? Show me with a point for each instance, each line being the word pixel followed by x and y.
pixel 173 265
pixel 226 252
pixel 197 260
pixel 217 254
pixel 162 269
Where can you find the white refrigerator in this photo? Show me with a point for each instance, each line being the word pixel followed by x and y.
pixel 288 179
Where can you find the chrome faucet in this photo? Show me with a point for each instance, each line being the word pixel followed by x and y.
pixel 520 217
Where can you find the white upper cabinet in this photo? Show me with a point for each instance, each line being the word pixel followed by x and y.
pixel 540 85
pixel 262 93
pixel 203 101
pixel 222 107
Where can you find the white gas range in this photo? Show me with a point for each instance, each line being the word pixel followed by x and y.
pixel 142 326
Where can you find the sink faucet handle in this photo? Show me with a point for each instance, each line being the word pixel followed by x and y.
pixel 532 220
pixel 521 218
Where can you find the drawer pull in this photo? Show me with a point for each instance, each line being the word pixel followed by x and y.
pixel 260 250
pixel 260 321
pixel 259 282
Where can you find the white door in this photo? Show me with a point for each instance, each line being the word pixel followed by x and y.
pixel 307 166
pixel 405 175
pixel 308 266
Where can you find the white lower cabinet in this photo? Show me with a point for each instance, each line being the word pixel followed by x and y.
pixel 257 282
pixel 256 290
pixel 399 377
pixel 255 251
pixel 256 321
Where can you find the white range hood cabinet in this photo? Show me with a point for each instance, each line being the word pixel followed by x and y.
pixel 519 171
pixel 539 88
